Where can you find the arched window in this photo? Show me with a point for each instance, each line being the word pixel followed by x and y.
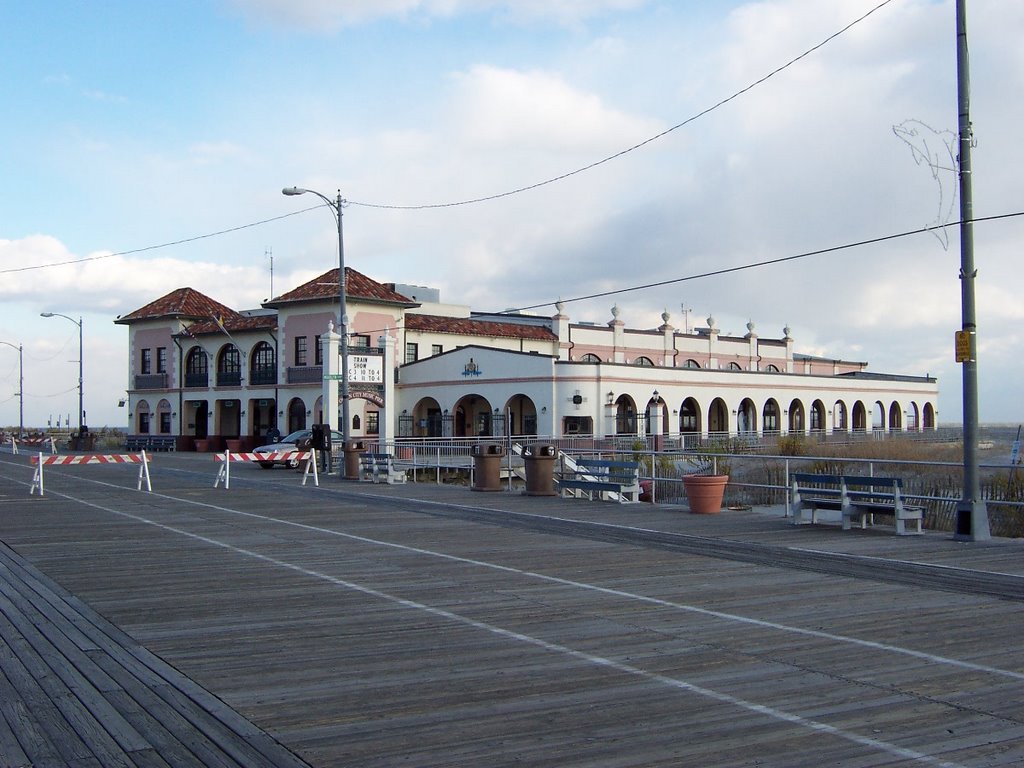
pixel 590 358
pixel 772 368
pixel 644 362
pixel 734 367
pixel 691 363
pixel 229 367
pixel 264 365
pixel 197 368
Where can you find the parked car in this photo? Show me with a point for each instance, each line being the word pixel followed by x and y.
pixel 296 441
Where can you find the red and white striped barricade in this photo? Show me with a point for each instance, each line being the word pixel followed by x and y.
pixel 34 442
pixel 226 458
pixel 117 458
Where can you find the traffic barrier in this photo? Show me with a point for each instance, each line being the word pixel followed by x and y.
pixel 117 458
pixel 33 442
pixel 226 458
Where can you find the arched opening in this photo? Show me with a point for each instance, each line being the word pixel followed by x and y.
pixel 296 415
pixel 625 416
pixel 143 420
pixel 522 415
pixel 263 365
pixel 197 372
pixel 913 422
pixel 797 420
pixel 590 358
pixel 656 408
pixel 929 416
pixel 839 422
pixel 860 417
pixel 817 416
pixel 473 417
pixel 644 362
pixel 229 366
pixel 689 417
pixel 691 363
pixel 746 417
pixel 770 422
pixel 424 421
pixel 878 416
pixel 163 417
pixel 718 416
pixel 895 417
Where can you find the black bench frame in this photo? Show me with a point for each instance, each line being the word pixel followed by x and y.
pixel 150 443
pixel 855 496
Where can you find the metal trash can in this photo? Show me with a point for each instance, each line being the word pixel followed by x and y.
pixel 540 469
pixel 487 466
pixel 352 450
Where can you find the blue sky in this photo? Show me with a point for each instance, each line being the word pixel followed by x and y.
pixel 129 125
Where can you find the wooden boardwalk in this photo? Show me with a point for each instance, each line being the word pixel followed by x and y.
pixel 424 625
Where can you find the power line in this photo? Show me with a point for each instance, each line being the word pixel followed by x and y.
pixel 635 147
pixel 486 198
pixel 161 245
pixel 765 263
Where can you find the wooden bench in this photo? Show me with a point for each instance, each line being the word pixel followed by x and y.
pixel 855 496
pixel 379 468
pixel 150 443
pixel 603 476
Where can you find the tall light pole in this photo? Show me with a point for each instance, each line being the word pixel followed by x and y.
pixel 81 400
pixel 336 206
pixel 21 388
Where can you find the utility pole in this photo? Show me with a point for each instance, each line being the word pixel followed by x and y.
pixel 971 513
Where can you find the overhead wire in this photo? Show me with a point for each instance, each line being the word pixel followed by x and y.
pixel 161 245
pixel 645 142
pixel 486 198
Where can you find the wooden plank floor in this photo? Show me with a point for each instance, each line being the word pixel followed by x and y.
pixel 432 626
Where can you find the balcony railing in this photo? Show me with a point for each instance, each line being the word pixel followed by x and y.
pixel 197 379
pixel 263 376
pixel 151 381
pixel 305 374
pixel 229 378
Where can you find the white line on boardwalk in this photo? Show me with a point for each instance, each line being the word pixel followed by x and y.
pixel 589 658
pixel 873 645
pixel 733 617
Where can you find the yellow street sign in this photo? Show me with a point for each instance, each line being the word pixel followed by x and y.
pixel 965 346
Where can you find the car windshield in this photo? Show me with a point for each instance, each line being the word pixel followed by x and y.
pixel 294 437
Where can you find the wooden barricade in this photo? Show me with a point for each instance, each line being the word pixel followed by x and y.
pixel 41 461
pixel 226 459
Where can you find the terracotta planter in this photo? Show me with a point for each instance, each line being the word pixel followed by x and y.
pixel 705 492
pixel 233 445
pixel 202 445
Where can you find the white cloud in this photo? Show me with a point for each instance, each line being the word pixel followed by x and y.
pixel 329 15
pixel 503 109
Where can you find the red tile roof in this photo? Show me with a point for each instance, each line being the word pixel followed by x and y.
pixel 468 327
pixel 357 286
pixel 233 324
pixel 184 303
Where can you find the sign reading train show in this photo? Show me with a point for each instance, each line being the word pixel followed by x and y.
pixel 363 369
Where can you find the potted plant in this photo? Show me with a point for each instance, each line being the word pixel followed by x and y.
pixel 706 479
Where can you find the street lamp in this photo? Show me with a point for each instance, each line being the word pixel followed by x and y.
pixel 21 389
pixel 336 206
pixel 81 401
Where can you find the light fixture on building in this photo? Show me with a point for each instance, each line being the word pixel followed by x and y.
pixel 610 398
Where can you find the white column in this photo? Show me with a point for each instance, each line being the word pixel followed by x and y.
pixel 329 346
pixel 389 424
